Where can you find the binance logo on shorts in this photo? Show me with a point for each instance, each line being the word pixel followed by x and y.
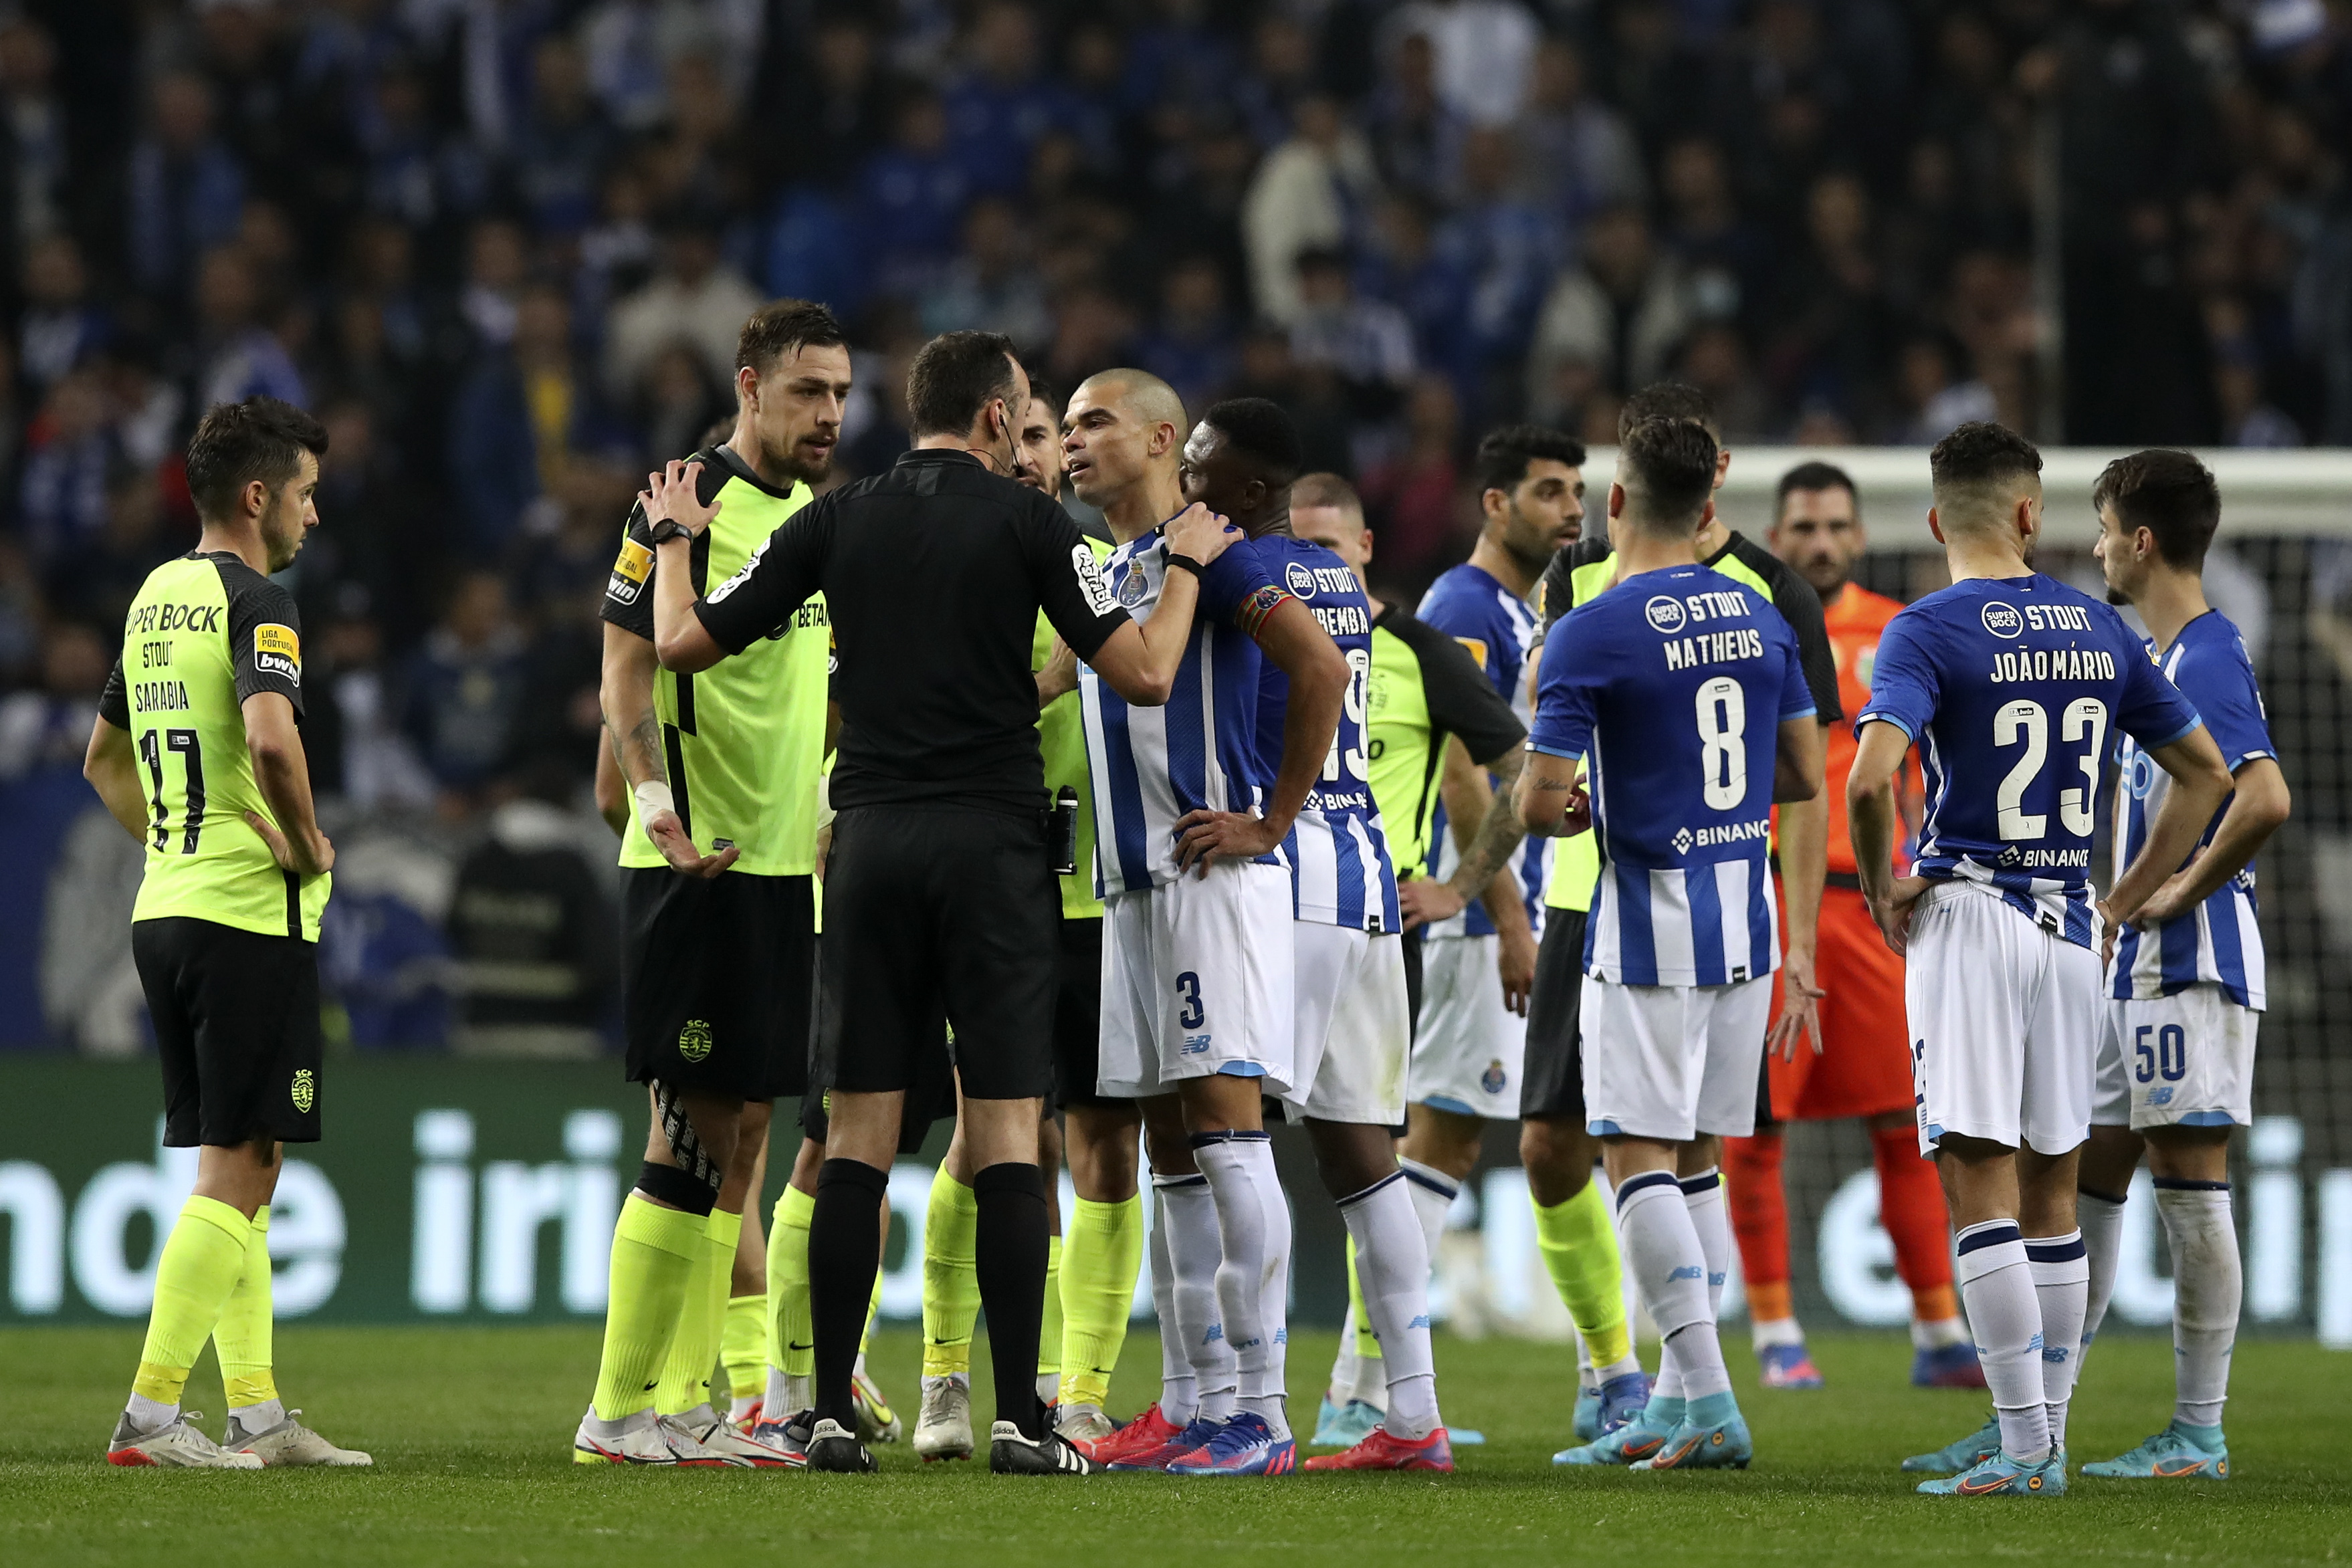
pixel 305 1090
pixel 694 1040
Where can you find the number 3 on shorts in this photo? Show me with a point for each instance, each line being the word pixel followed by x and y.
pixel 1188 989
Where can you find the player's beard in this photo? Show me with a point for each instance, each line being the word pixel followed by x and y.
pixel 280 544
pixel 789 462
pixel 1531 547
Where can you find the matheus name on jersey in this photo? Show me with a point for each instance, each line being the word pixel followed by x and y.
pixel 1338 853
pixel 1680 756
pixel 2011 688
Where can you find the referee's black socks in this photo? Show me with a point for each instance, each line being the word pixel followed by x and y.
pixel 845 1251
pixel 1010 1246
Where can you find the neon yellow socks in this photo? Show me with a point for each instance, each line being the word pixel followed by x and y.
pixel 203 1260
pixel 1580 1251
pixel 950 1278
pixel 656 1252
pixel 1367 1345
pixel 872 1311
pixel 1101 1253
pixel 1049 1329
pixel 743 1347
pixel 792 1331
pixel 701 1313
pixel 242 1337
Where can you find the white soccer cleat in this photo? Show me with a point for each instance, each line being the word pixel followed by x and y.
pixel 1083 1425
pixel 737 1447
pixel 685 1435
pixel 638 1439
pixel 179 1445
pixel 290 1445
pixel 943 1430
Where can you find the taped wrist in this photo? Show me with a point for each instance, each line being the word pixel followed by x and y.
pixel 654 797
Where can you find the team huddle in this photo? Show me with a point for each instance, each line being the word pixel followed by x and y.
pixel 1647 838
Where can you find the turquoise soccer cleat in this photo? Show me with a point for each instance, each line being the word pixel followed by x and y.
pixel 2179 1452
pixel 1344 1425
pixel 1725 1445
pixel 1587 1425
pixel 1965 1454
pixel 1634 1442
pixel 2001 1476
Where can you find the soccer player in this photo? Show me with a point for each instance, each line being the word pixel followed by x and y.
pixel 1859 1064
pixel 1681 695
pixel 1559 1153
pixel 1422 689
pixel 1197 989
pixel 1478 946
pixel 2010 684
pixel 1352 1014
pixel 197 752
pixel 2177 1057
pixel 951 1272
pixel 939 900
pixel 718 907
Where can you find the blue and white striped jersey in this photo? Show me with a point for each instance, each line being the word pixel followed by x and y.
pixel 1500 629
pixel 1152 766
pixel 1673 686
pixel 1338 853
pixel 2011 687
pixel 2218 942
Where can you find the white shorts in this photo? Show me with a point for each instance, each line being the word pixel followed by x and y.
pixel 1670 1063
pixel 2183 1060
pixel 1354 1025
pixel 2004 1024
pixel 1196 980
pixel 1466 1057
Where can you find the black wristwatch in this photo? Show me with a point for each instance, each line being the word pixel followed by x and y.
pixel 669 529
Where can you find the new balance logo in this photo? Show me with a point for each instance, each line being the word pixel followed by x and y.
pixel 1421 1322
pixel 2056 1355
pixel 1690 1273
pixel 1216 1331
pixel 1195 1044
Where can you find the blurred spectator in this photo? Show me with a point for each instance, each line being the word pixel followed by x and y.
pixel 35 153
pixel 992 285
pixel 997 108
pixel 563 143
pixel 1620 314
pixel 69 451
pixel 694 300
pixel 1938 403
pixel 96 579
pixel 1192 346
pixel 1505 250
pixel 497 264
pixel 465 688
pixel 518 416
pixel 241 357
pixel 363 753
pixel 1415 137
pixel 1368 343
pixel 187 191
pixel 1300 200
pixel 50 727
pixel 1481 51
pixel 910 196
pixel 1412 496
pixel 61 326
pixel 1574 155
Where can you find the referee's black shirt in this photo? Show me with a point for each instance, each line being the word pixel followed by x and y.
pixel 933 574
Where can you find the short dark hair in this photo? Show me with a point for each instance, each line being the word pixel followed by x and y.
pixel 1503 455
pixel 238 442
pixel 1669 400
pixel 1671 464
pixel 1982 452
pixel 783 327
pixel 1814 475
pixel 1258 427
pixel 952 379
pixel 1325 489
pixel 1043 391
pixel 2171 494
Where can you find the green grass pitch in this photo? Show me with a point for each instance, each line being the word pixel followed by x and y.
pixel 472 1431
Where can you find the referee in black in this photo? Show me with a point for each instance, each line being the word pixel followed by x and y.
pixel 940 892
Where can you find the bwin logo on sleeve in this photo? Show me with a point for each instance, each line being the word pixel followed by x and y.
pixel 1090 581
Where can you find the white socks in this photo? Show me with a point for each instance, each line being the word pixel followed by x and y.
pixel 1997 1286
pixel 1253 1279
pixel 2101 1220
pixel 2207 1282
pixel 2061 1286
pixel 1434 1193
pixel 1670 1267
pixel 1392 1263
pixel 147 1416
pixel 1703 1196
pixel 1189 1223
pixel 786 1396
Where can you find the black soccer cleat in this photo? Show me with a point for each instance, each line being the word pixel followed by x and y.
pixel 1012 1453
pixel 835 1448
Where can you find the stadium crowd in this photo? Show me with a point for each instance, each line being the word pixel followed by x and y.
pixel 501 247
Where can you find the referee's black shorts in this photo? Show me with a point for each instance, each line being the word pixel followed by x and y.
pixel 236 1025
pixel 718 980
pixel 935 911
pixel 1551 1081
pixel 1077 1017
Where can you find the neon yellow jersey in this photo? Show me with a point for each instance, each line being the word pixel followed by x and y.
pixel 743 740
pixel 205 633
pixel 1062 738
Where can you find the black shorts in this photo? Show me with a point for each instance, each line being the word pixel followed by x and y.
pixel 930 1102
pixel 1551 1081
pixel 1077 1017
pixel 931 912
pixel 236 1024
pixel 1413 980
pixel 718 979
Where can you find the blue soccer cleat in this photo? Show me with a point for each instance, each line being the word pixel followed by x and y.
pixel 1345 1426
pixel 1244 1445
pixel 1587 1425
pixel 1622 1402
pixel 1965 1454
pixel 1998 1475
pixel 1786 1367
pixel 2179 1452
pixel 1947 1366
pixel 1725 1445
pixel 1634 1442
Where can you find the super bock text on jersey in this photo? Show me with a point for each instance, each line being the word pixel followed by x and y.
pixel 1672 688
pixel 2013 689
pixel 2217 942
pixel 1336 851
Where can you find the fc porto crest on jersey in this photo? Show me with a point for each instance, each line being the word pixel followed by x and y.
pixel 694 1040
pixel 305 1090
pixel 1131 586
